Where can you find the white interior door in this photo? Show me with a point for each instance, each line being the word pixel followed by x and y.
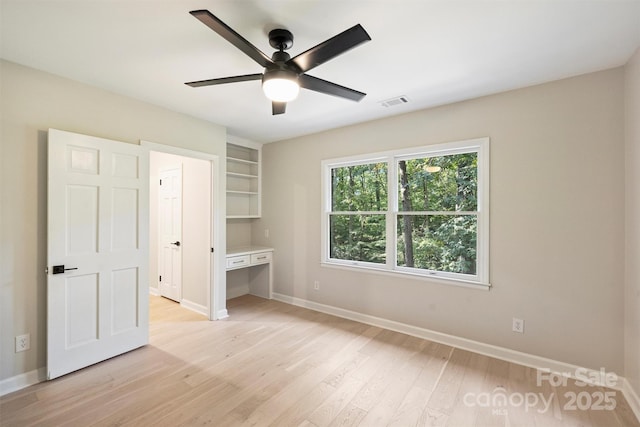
pixel 97 282
pixel 170 206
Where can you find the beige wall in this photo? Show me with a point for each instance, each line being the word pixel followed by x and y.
pixel 557 221
pixel 632 231
pixel 238 232
pixel 32 102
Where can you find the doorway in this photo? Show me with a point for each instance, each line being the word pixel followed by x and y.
pixel 183 267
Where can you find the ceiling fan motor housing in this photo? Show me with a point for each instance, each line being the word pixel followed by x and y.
pixel 280 57
pixel 280 39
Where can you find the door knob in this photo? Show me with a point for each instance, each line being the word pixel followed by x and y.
pixel 176 243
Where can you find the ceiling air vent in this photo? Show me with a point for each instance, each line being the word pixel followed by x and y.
pixel 398 100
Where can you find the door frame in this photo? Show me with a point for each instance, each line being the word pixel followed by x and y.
pixel 216 301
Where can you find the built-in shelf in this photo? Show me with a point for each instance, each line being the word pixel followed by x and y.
pixel 241 175
pixel 241 192
pixel 243 180
pixel 237 160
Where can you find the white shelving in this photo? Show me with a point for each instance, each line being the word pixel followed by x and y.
pixel 243 181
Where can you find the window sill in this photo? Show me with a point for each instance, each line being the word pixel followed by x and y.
pixel 447 281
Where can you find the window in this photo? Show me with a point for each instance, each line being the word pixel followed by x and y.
pixel 358 215
pixel 422 211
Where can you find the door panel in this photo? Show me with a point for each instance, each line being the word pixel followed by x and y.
pixel 98 230
pixel 125 288
pixel 82 221
pixel 124 220
pixel 81 310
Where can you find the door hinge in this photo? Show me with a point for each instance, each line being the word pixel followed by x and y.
pixel 160 182
pixel 161 278
pixel 211 250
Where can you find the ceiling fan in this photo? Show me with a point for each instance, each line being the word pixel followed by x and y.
pixel 284 76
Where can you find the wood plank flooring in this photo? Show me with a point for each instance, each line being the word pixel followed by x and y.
pixel 273 364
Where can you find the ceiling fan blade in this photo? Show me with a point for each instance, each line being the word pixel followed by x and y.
pixel 313 83
pixel 223 80
pixel 331 48
pixel 211 21
pixel 278 107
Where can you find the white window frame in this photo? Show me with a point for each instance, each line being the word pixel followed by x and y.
pixel 391 158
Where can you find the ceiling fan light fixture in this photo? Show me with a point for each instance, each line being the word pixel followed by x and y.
pixel 280 85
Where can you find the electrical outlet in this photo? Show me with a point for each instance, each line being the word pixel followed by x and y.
pixel 266 233
pixel 23 343
pixel 316 285
pixel 518 325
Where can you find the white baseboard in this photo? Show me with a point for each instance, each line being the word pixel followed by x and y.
pixel 18 382
pixel 198 308
pixel 154 291
pixel 502 353
pixel 222 314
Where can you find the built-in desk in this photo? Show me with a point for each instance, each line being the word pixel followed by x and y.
pixel 260 284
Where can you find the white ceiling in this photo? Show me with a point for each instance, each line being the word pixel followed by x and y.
pixel 433 52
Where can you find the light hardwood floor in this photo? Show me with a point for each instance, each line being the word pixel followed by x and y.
pixel 275 364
